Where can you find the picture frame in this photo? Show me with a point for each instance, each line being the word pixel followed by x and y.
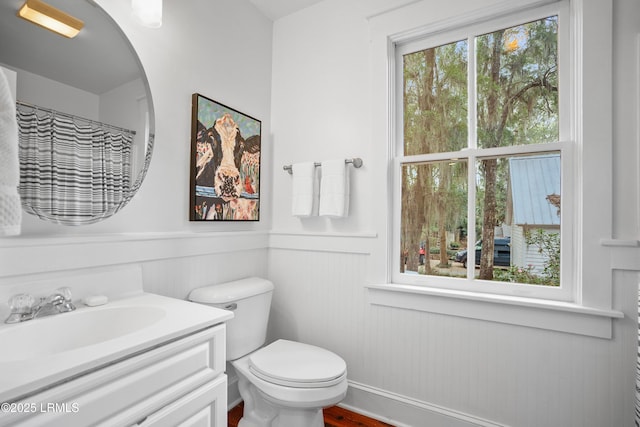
pixel 225 163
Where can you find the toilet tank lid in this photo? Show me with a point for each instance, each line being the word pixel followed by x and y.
pixel 231 291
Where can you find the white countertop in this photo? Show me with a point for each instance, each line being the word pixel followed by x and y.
pixel 23 377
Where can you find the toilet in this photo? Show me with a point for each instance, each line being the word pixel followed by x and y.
pixel 283 384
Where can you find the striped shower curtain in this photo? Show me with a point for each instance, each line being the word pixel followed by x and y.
pixel 72 173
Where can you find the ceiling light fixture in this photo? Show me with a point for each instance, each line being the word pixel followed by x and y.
pixel 51 18
pixel 148 12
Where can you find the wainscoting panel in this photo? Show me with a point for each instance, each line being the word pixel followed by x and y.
pixel 169 264
pixel 471 372
pixel 176 277
pixel 403 365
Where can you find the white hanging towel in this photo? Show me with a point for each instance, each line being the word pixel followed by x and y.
pixel 10 208
pixel 302 189
pixel 334 189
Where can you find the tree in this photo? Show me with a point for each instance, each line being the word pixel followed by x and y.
pixel 434 121
pixel 517 104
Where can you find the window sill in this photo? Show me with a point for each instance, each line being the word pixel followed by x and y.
pixel 529 312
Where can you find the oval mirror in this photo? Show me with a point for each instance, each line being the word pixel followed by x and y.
pixel 85 114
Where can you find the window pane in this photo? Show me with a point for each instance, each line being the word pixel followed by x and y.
pixel 517 85
pixel 435 99
pixel 433 217
pixel 518 209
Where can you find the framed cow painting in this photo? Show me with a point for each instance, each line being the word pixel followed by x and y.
pixel 225 163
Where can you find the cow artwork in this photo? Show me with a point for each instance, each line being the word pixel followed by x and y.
pixel 225 163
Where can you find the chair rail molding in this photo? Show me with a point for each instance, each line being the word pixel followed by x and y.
pixel 39 255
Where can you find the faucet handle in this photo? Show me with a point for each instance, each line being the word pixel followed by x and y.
pixel 21 303
pixel 62 300
pixel 65 292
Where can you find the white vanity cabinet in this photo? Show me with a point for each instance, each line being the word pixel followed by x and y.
pixel 176 383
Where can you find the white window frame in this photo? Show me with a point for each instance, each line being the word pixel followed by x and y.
pixel 590 312
pixel 566 291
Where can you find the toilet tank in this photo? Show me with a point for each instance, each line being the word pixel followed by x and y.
pixel 250 301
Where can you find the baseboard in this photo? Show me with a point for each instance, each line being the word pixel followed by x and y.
pixel 402 411
pixel 392 408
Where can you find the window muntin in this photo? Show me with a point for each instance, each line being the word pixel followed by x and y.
pixel 515 94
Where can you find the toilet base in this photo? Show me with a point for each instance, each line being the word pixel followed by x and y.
pixel 260 412
pixel 284 418
pixel 277 408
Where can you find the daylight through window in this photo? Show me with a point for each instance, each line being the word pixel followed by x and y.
pixel 480 156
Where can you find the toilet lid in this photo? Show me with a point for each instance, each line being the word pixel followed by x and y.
pixel 294 364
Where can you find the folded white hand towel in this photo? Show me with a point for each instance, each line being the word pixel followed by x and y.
pixel 303 189
pixel 10 208
pixel 334 189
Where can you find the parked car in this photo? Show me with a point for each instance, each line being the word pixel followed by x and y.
pixel 501 252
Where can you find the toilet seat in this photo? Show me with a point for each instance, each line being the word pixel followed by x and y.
pixel 294 364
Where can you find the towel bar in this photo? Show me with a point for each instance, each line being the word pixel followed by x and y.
pixel 356 161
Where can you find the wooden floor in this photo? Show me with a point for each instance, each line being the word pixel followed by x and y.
pixel 333 417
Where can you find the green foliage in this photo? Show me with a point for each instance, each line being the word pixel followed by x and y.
pixel 434 250
pixel 517 274
pixel 435 99
pixel 549 246
pixel 518 84
pixel 517 104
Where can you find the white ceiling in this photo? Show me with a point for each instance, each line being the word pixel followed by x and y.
pixel 275 9
pixel 82 62
pixel 97 60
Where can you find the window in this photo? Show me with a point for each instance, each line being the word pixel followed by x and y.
pixel 483 157
pixel 582 304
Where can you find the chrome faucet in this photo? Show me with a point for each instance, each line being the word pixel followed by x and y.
pixel 25 307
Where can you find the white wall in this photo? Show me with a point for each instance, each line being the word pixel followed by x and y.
pixel 316 103
pixel 320 107
pixel 125 106
pixel 222 50
pixel 38 90
pixel 419 368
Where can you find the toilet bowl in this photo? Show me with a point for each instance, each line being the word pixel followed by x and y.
pixel 284 384
pixel 287 384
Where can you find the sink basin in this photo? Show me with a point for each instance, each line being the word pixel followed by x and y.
pixel 43 353
pixel 63 332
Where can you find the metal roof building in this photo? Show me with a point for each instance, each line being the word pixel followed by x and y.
pixel 532 179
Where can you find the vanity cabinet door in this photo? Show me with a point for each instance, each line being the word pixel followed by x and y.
pixel 204 407
pixel 136 388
